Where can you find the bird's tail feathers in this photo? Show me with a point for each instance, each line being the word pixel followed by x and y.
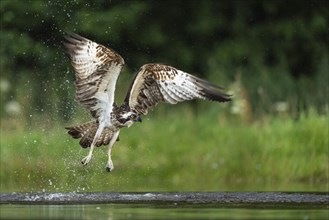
pixel 87 132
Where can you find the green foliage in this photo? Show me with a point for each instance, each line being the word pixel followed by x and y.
pixel 278 48
pixel 272 55
pixel 175 153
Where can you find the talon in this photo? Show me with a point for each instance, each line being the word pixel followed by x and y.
pixel 109 166
pixel 85 160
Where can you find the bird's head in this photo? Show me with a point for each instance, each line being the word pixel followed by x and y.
pixel 126 119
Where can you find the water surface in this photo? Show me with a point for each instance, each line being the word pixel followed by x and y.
pixel 126 211
pixel 165 205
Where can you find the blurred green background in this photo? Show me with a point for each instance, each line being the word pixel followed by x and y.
pixel 272 55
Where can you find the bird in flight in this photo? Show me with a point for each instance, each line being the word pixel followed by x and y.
pixel 97 68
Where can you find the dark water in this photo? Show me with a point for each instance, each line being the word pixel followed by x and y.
pixel 125 211
pixel 165 205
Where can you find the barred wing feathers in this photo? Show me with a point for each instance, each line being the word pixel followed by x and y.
pixel 97 69
pixel 155 83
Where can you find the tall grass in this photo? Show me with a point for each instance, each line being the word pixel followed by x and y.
pixel 175 152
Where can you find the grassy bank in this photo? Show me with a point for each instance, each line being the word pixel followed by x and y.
pixel 179 152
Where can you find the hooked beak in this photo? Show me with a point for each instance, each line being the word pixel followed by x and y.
pixel 138 119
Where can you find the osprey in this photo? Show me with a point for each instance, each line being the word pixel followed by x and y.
pixel 97 69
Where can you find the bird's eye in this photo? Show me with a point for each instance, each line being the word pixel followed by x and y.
pixel 132 116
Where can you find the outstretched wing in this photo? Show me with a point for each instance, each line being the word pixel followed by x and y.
pixel 97 69
pixel 155 83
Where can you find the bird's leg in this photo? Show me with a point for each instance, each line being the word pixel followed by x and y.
pixel 86 159
pixel 109 166
pixel 99 131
